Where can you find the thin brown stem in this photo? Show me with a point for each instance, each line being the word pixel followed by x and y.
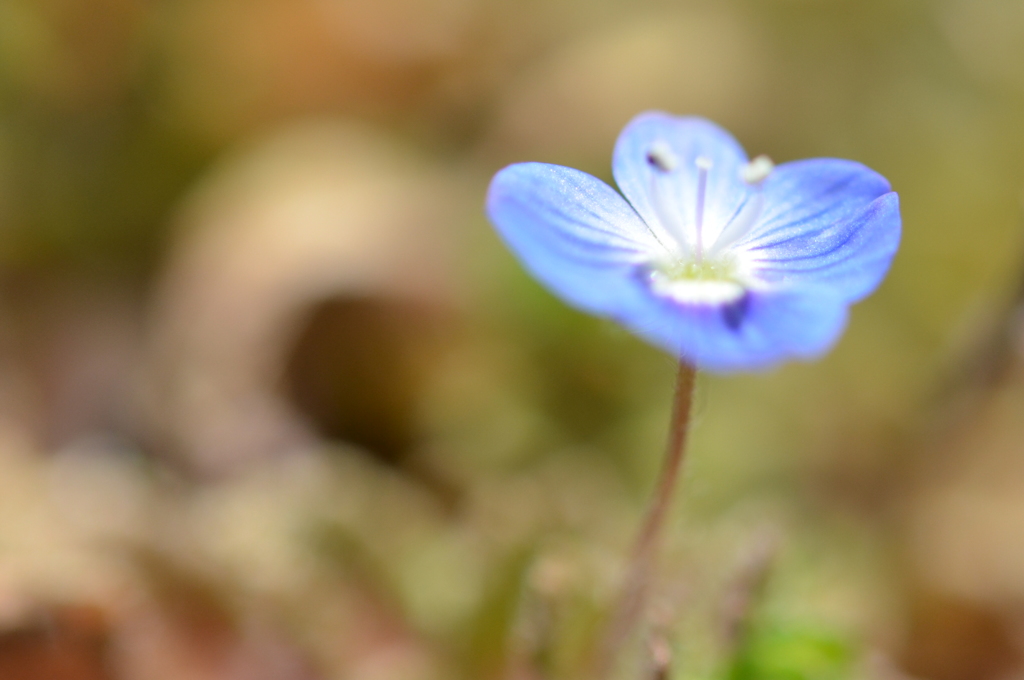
pixel 633 596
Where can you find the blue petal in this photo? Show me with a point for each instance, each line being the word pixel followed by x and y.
pixel 758 331
pixel 573 232
pixel 826 222
pixel 660 196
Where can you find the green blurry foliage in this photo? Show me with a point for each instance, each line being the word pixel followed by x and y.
pixel 789 653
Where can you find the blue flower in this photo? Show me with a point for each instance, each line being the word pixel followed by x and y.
pixel 727 263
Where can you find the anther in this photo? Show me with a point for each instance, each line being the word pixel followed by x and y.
pixel 757 170
pixel 660 156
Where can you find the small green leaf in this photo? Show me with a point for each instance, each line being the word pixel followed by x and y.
pixel 793 653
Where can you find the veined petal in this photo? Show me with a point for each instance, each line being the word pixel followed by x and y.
pixel 573 232
pixel 755 332
pixel 662 197
pixel 828 223
pixel 770 276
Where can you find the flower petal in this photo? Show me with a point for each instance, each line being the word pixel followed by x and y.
pixel 573 232
pixel 671 197
pixel 758 331
pixel 828 223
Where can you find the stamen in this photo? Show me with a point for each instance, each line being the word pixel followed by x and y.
pixel 753 173
pixel 664 162
pixel 703 165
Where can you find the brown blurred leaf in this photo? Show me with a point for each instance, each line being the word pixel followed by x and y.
pixel 954 639
pixel 323 211
pixel 69 642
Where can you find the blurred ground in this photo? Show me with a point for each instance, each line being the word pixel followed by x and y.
pixel 275 403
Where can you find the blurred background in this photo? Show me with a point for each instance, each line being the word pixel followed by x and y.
pixel 276 404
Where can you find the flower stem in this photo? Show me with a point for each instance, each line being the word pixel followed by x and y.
pixel 640 571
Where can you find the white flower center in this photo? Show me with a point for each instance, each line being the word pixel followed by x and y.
pixel 689 282
pixel 705 273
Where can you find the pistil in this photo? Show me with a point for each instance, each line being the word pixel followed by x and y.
pixel 703 165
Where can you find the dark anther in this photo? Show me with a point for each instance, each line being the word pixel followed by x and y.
pixel 660 157
pixel 735 312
